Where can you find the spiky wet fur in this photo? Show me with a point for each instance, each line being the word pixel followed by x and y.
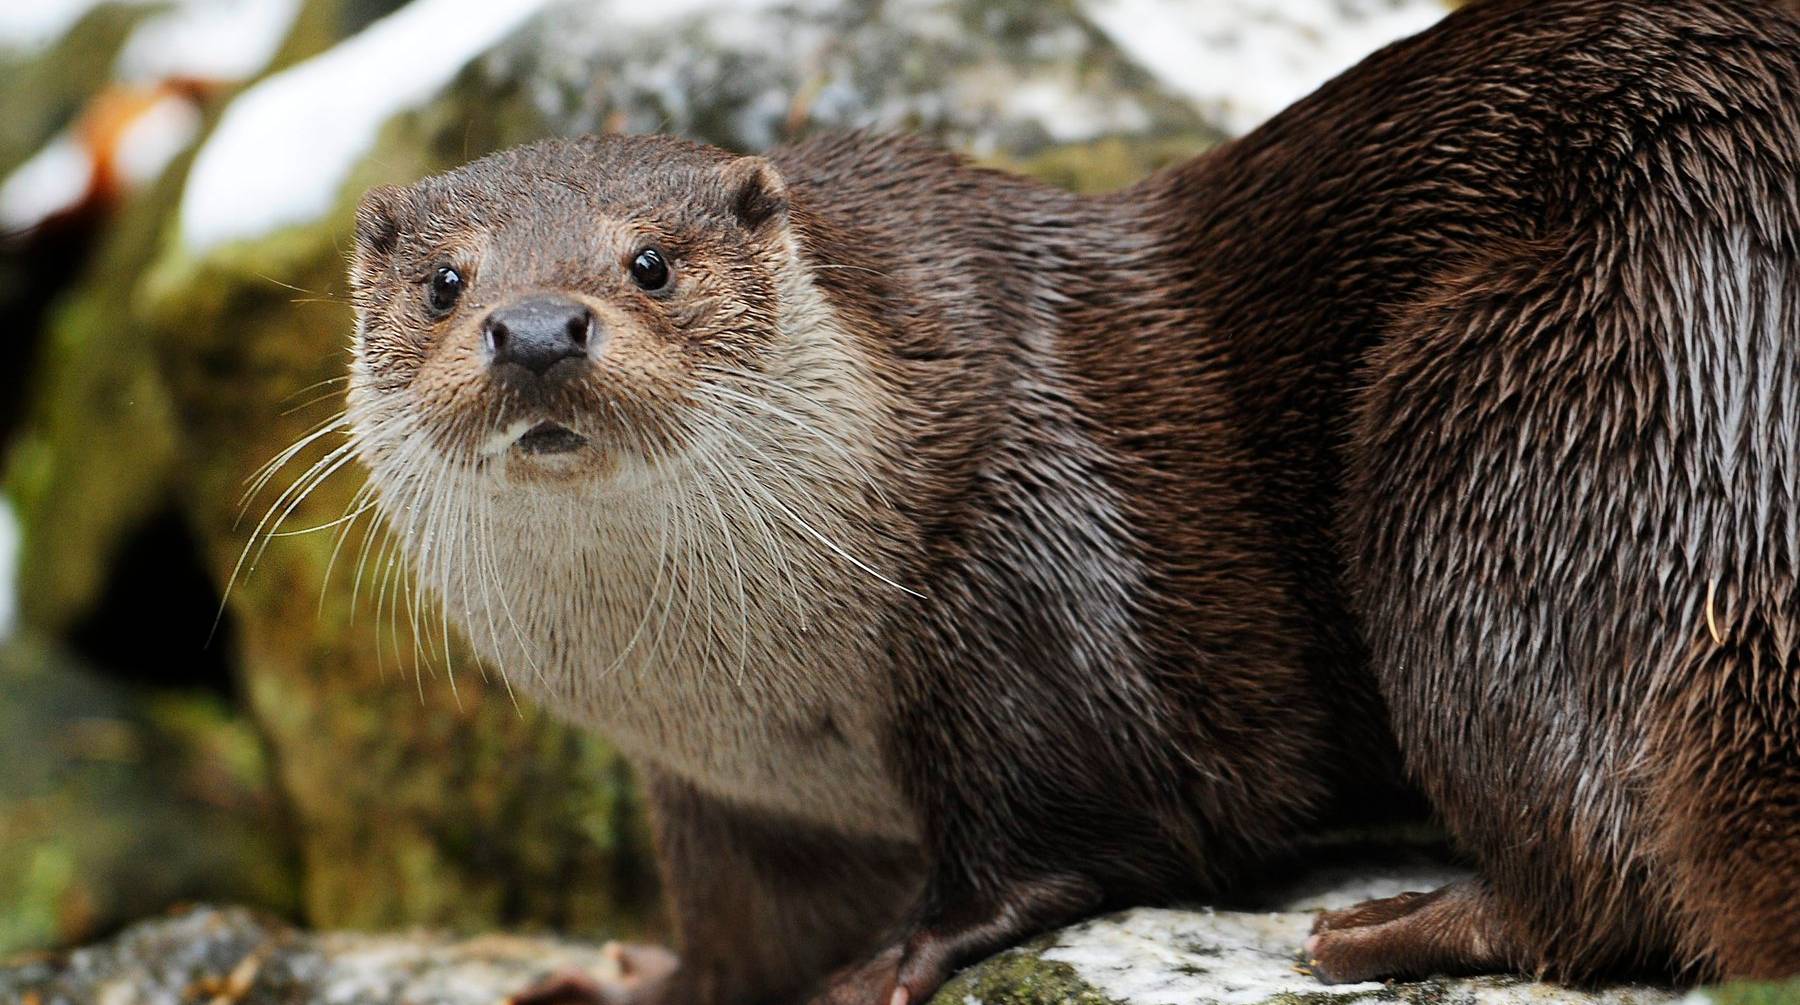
pixel 1001 535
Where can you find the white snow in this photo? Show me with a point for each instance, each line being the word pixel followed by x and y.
pixel 30 25
pixel 155 137
pixel 284 147
pixel 207 39
pixel 1245 60
pixel 1155 957
pixel 1067 113
pixel 220 39
pixel 9 564
pixel 54 179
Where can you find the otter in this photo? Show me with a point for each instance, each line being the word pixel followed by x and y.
pixel 828 486
pixel 957 556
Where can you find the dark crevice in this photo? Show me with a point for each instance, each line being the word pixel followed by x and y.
pixel 35 268
pixel 151 624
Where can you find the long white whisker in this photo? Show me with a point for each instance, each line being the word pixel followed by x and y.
pixel 857 464
pixel 737 571
pixel 774 500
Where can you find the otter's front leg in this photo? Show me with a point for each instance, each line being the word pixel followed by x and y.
pixel 964 928
pixel 1033 814
pixel 763 907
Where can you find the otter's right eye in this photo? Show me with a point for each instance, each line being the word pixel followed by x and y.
pixel 649 270
pixel 446 287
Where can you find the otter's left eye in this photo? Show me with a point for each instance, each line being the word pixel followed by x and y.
pixel 649 270
pixel 446 287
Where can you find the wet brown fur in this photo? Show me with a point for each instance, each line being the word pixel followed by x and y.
pixel 1573 500
pixel 1441 367
pixel 1112 680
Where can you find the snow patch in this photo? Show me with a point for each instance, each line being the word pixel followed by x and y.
pixel 208 40
pixel 284 147
pixel 57 177
pixel 1223 957
pixel 1068 114
pixel 155 137
pixel 31 25
pixel 9 568
pixel 54 179
pixel 1153 957
pixel 1245 60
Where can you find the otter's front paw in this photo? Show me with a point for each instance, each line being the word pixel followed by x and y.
pixel 640 973
pixel 904 974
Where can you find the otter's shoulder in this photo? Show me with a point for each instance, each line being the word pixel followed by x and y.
pixel 880 175
pixel 837 157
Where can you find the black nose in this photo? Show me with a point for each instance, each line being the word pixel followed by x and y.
pixel 539 332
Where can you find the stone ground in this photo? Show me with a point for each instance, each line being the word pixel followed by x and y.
pixel 233 956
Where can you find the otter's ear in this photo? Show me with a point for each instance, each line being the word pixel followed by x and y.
pixel 378 219
pixel 756 193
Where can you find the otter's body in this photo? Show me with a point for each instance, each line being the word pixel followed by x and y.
pixel 958 556
pixel 876 545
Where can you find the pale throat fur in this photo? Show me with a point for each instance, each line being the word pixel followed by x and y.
pixel 712 606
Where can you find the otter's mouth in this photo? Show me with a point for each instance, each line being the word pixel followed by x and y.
pixel 550 438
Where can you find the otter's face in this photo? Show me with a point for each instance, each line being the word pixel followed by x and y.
pixel 556 315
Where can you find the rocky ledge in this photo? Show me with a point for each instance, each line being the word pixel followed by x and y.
pixel 233 956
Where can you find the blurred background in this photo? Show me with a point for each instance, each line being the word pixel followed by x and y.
pixel 176 187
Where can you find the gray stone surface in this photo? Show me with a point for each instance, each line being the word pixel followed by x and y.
pixel 232 956
pixel 1243 957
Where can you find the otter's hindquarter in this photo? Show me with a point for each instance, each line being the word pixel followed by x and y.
pixel 1575 505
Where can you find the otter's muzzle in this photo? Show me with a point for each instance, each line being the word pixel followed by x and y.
pixel 537 333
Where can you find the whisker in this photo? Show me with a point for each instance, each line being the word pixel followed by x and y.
pixel 813 532
pixel 500 587
pixel 858 465
pixel 346 518
pixel 737 573
pixel 260 477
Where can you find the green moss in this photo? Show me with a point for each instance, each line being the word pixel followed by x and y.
pixel 100 436
pixel 116 803
pixel 1021 977
pixel 1755 993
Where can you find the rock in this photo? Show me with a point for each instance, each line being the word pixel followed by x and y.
pixel 232 956
pixel 1147 956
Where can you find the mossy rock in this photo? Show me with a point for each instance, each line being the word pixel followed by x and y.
pixel 211 954
pixel 1753 993
pixel 117 801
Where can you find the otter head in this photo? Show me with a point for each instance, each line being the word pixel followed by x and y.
pixel 591 374
pixel 552 315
